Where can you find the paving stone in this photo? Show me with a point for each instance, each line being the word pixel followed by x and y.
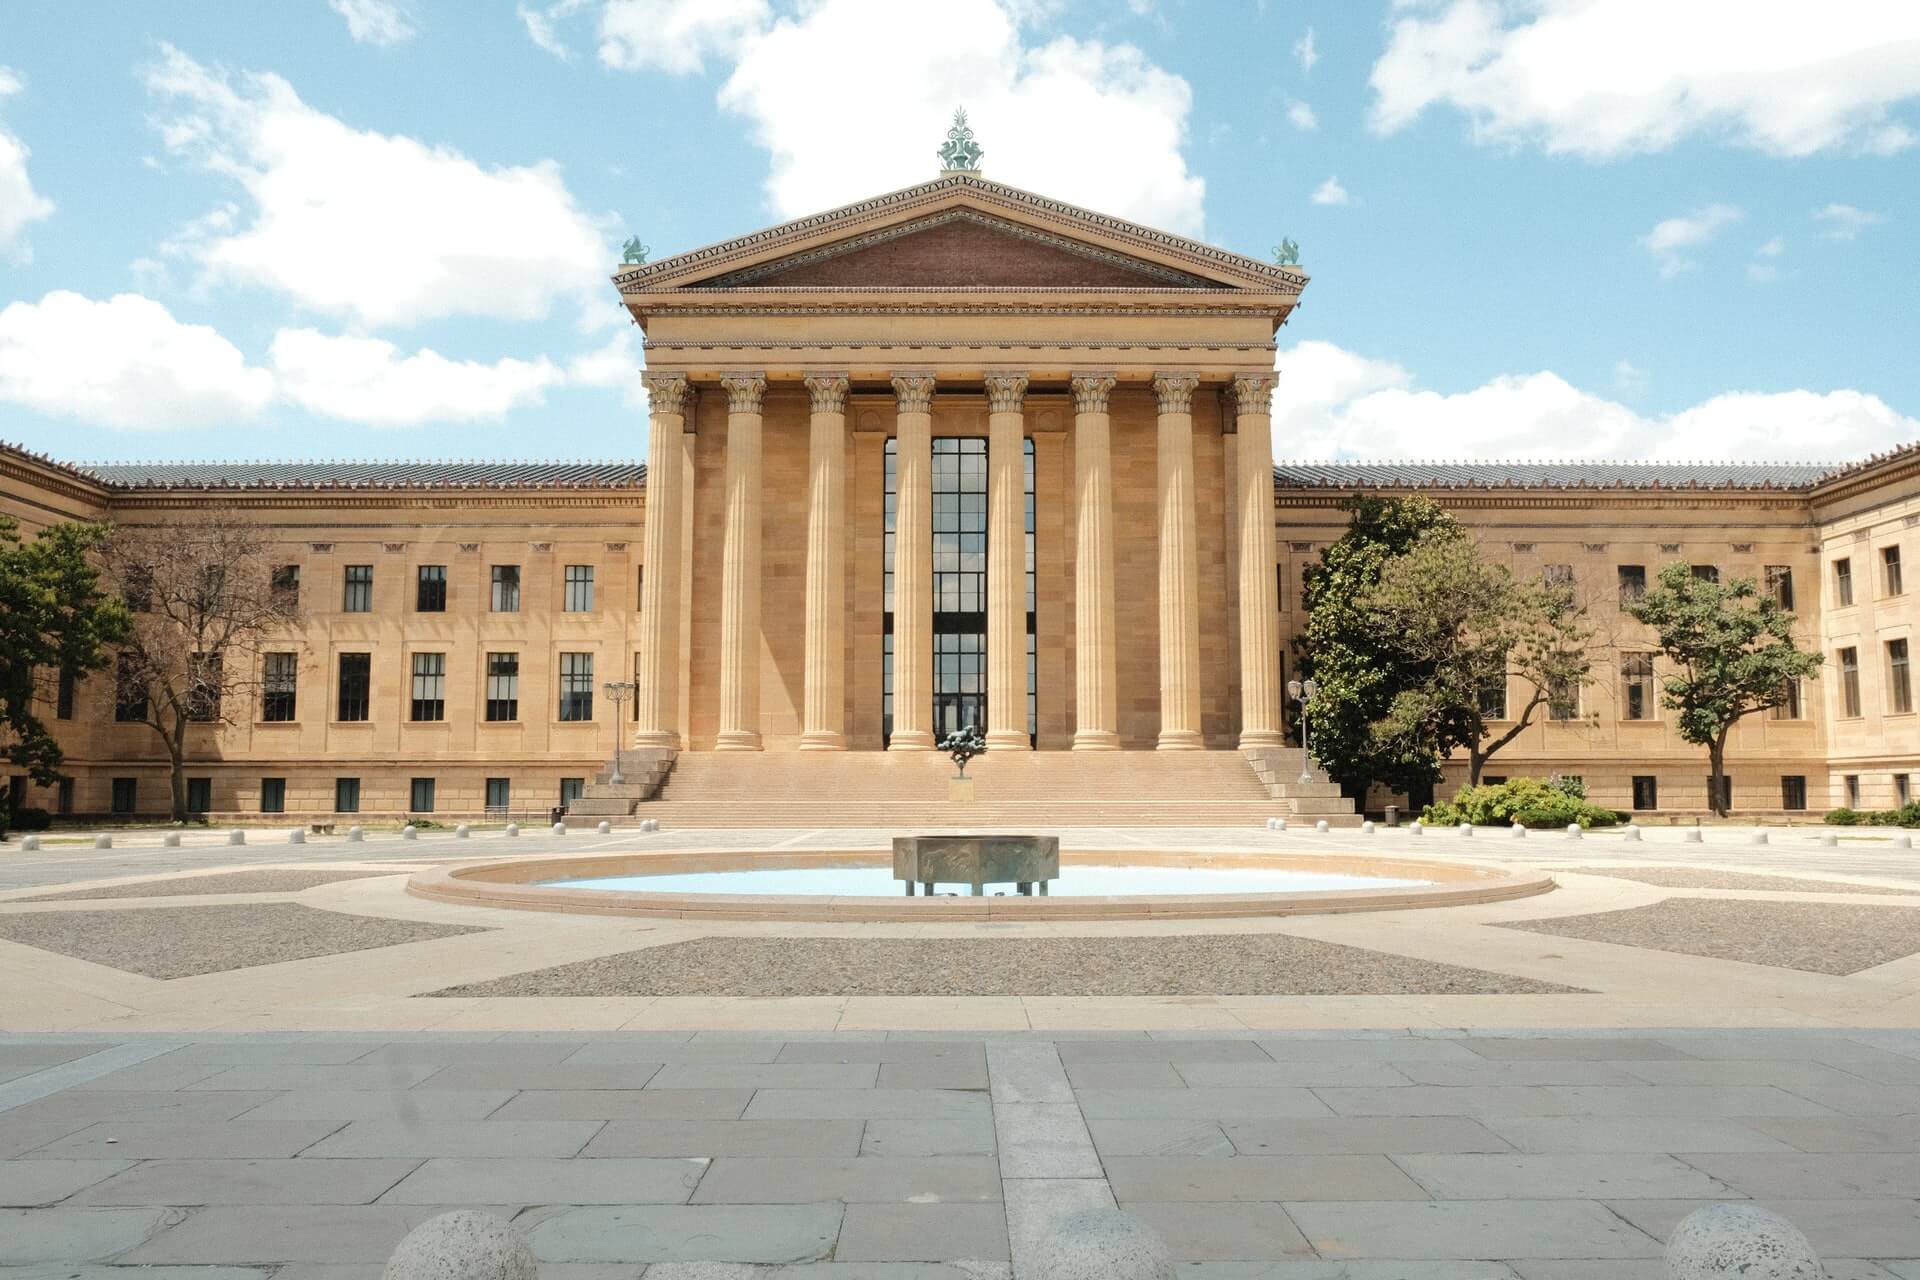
pixel 69 1236
pixel 1861 1099
pixel 157 1074
pixel 26 1183
pixel 60 1271
pixel 158 1106
pixel 1027 1071
pixel 1215 1232
pixel 935 1073
pixel 317 1053
pixel 21 1056
pixel 238 1140
pixel 775 1075
pixel 262 1182
pixel 1287 1075
pixel 1814 1177
pixel 1361 1135
pixel 1274 1178
pixel 1494 1229
pixel 1521 1071
pixel 729 1138
pixel 1203 1104
pixel 1157 1136
pixel 1446 1100
pixel 1400 1048
pixel 1037 1206
pixel 942 1179
pixel 1676 1134
pixel 1397 1269
pixel 1687 1100
pixel 1785 1046
pixel 1842 1133
pixel 542 1075
pixel 289 1233
pixel 684 1233
pixel 1586 1268
pixel 884 1051
pixel 1044 1140
pixel 450 1050
pixel 923 1232
pixel 432 1138
pixel 1075 1051
pixel 341 1105
pixel 457 1181
pixel 1787 1073
pixel 626 1104
pixel 1592 1047
pixel 972 1269
pixel 1855 1228
pixel 353 1076
pixel 1125 1075
pixel 21 1137
pixel 649 1049
pixel 955 1136
pixel 1584 1176
pixel 863 1104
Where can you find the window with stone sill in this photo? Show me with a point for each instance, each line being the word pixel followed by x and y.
pixel 1843 581
pixel 1849 664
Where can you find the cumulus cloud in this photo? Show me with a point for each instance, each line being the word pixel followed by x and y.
pixel 1605 78
pixel 1305 53
pixel 1334 403
pixel 1764 269
pixel 675 35
pixel 615 366
pixel 1301 116
pixel 369 380
pixel 1844 222
pixel 19 202
pixel 1331 192
pixel 125 362
pixel 377 227
pixel 1671 237
pixel 376 22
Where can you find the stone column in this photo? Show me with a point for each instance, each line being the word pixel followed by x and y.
pixel 1179 568
pixel 1259 593
pixel 1006 563
pixel 740 570
pixel 656 701
pixel 1096 707
pixel 824 718
pixel 913 565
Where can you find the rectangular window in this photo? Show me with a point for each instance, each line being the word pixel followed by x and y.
pixel 1899 679
pixel 1780 585
pixel 279 687
pixel 1726 792
pixel 506 588
pixel 65 792
pixel 429 687
pixel 1793 792
pixel 129 691
pixel 286 585
pixel 420 798
pixel 430 593
pixel 1493 779
pixel 1849 682
pixel 1563 700
pixel 1902 789
pixel 1851 786
pixel 357 596
pixel 571 789
pixel 1558 575
pixel 1843 581
pixel 503 687
pixel 273 795
pixel 346 795
pixel 499 796
pixel 1493 700
pixel 205 681
pixel 1706 572
pixel 125 794
pixel 1890 571
pixel 356 686
pixel 63 696
pixel 1646 792
pixel 199 795
pixel 1633 582
pixel 579 589
pixel 137 589
pixel 576 686
pixel 1636 680
pixel 1788 707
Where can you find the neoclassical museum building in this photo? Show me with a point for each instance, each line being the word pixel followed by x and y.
pixel 957 454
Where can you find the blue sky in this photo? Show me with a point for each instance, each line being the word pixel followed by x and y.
pixel 1559 228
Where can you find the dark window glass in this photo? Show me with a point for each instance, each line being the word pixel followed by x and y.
pixel 576 686
pixel 1636 680
pixel 1563 700
pixel 357 596
pixel 65 793
pixel 1558 575
pixel 356 686
pixel 129 691
pixel 572 789
pixel 429 687
pixel 1706 572
pixel 1899 678
pixel 1902 789
pixel 1493 700
pixel 346 795
pixel 503 686
pixel 137 588
pixel 1851 784
pixel 420 800
pixel 1646 791
pixel 279 687
pixel 430 594
pixel 1793 792
pixel 273 795
pixel 63 696
pixel 125 794
pixel 1633 582
pixel 499 795
pixel 1780 585
pixel 1849 682
pixel 506 588
pixel 1789 705
pixel 199 795
pixel 1843 581
pixel 579 589
pixel 286 585
pixel 1890 571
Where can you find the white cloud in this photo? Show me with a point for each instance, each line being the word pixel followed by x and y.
pixel 376 22
pixel 1331 192
pixel 368 380
pixel 1629 377
pixel 1670 237
pixel 675 35
pixel 1604 78
pixel 615 366
pixel 19 202
pixel 1333 403
pixel 1301 116
pixel 125 362
pixel 1844 222
pixel 1305 53
pixel 542 25
pixel 378 227
pixel 1764 269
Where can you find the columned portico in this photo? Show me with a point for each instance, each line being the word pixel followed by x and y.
pixel 1179 567
pixel 823 724
pixel 1259 592
pixel 740 570
pixel 913 565
pixel 657 697
pixel 1095 696
pixel 1006 563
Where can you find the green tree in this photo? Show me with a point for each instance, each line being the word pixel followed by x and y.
pixel 1359 671
pixel 54 617
pixel 1470 629
pixel 1733 651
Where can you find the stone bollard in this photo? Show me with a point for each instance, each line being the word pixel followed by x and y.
pixel 1690 836
pixel 1416 828
pixel 409 832
pixel 236 836
pixel 1279 824
pixel 103 842
pixel 1575 831
pixel 1759 836
pixel 296 836
pixel 1517 831
pixel 461 833
pixel 171 840
pixel 559 828
pixel 1743 1241
pixel 1465 828
pixel 1828 840
pixel 1366 828
pixel 513 831
pixel 1099 1244
pixel 605 828
pixel 355 835
pixel 1903 841
pixel 653 824
pixel 1270 827
pixel 1323 825
pixel 1630 832
pixel 29 844
pixel 463 1245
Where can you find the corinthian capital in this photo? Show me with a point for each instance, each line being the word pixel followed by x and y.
pixel 1254 391
pixel 914 392
pixel 1175 391
pixel 744 393
pixel 667 392
pixel 1006 392
pixel 1090 392
pixel 829 392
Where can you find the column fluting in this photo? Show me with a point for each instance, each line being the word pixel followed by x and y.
pixel 1096 719
pixel 656 700
pixel 824 716
pixel 913 564
pixel 1259 590
pixel 1179 567
pixel 740 569
pixel 1007 563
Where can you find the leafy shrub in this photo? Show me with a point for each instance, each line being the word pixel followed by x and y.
pixel 1907 815
pixel 1843 817
pixel 1530 802
pixel 1568 786
pixel 31 819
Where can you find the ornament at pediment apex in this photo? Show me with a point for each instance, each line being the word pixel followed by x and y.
pixel 1091 391
pixel 829 392
pixel 667 392
pixel 744 392
pixel 1006 392
pixel 1175 391
pixel 960 153
pixel 913 392
pixel 1254 392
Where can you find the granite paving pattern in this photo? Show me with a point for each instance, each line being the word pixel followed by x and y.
pixel 833 1157
pixel 1838 938
pixel 184 942
pixel 1713 878
pixel 1179 965
pixel 265 880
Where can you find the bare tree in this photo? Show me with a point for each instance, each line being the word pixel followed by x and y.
pixel 205 602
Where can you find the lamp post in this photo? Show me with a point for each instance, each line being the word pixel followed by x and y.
pixel 1302 692
pixel 617 691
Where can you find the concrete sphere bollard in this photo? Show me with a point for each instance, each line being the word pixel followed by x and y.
pixel 236 836
pixel 1759 836
pixel 355 835
pixel 1690 836
pixel 513 830
pixel 605 828
pixel 1279 824
pixel 1416 827
pixel 1630 832
pixel 1829 840
pixel 463 1245
pixel 1465 828
pixel 1575 831
pixel 409 832
pixel 171 840
pixel 559 828
pixel 461 833
pixel 1366 828
pixel 1102 1244
pixel 1323 825
pixel 29 844
pixel 1517 831
pixel 296 836
pixel 1724 1241
pixel 103 842
pixel 651 824
pixel 1903 841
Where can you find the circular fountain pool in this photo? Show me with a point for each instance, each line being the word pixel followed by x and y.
pixel 859 885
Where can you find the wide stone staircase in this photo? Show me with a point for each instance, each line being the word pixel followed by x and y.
pixel 643 771
pixel 1036 789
